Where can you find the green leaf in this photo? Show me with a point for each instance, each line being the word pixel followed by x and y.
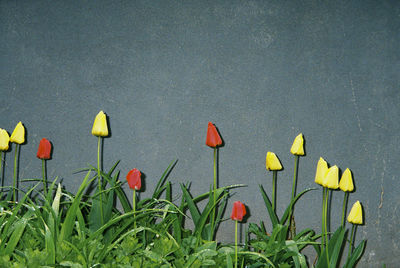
pixel 290 207
pixel 271 212
pixel 356 255
pixel 68 224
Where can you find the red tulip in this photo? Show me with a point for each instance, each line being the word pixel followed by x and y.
pixel 134 179
pixel 44 149
pixel 238 211
pixel 213 138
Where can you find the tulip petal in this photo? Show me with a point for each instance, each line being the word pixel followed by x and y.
pixel 4 140
pixel 346 182
pixel 356 215
pixel 213 138
pixel 18 135
pixel 100 128
pixel 322 168
pixel 238 211
pixel 298 145
pixel 272 162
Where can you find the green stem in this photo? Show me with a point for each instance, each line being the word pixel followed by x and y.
pixel 134 207
pixel 274 174
pixel 236 243
pixel 1 170
pixel 326 225
pixel 346 197
pixel 214 194
pixel 44 177
pixel 15 183
pixel 100 180
pixel 323 220
pixel 351 241
pixel 296 163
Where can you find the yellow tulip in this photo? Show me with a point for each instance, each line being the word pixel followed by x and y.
pixel 18 135
pixel 272 162
pixel 100 125
pixel 298 145
pixel 4 140
pixel 356 215
pixel 331 179
pixel 346 182
pixel 322 168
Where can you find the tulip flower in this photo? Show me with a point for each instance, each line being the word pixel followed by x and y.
pixel 134 179
pixel 298 145
pixel 331 179
pixel 322 168
pixel 346 182
pixel 346 185
pixel 213 138
pixel 4 140
pixel 355 217
pixel 238 212
pixel 272 162
pixel 100 128
pixel 297 150
pixel 44 150
pixel 4 145
pixel 135 182
pixel 18 135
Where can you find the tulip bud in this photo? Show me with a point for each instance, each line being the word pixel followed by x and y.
pixel 298 145
pixel 134 179
pixel 272 162
pixel 331 179
pixel 346 182
pixel 238 211
pixel 356 215
pixel 322 168
pixel 100 128
pixel 4 140
pixel 44 150
pixel 18 135
pixel 213 139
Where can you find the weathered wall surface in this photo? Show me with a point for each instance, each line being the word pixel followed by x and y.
pixel 262 71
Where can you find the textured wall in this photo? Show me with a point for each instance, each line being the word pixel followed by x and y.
pixel 262 71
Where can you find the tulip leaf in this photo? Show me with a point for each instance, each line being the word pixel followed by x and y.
pixel 68 224
pixel 356 255
pixel 291 205
pixel 194 211
pixel 271 212
pixel 158 190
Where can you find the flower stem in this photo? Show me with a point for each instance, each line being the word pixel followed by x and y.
pixel 44 177
pixel 214 194
pixel 236 243
pixel 346 198
pixel 134 207
pixel 351 241
pixel 1 170
pixel 274 174
pixel 296 164
pixel 100 180
pixel 326 225
pixel 323 220
pixel 15 182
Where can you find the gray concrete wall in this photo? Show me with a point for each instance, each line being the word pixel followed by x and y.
pixel 262 71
